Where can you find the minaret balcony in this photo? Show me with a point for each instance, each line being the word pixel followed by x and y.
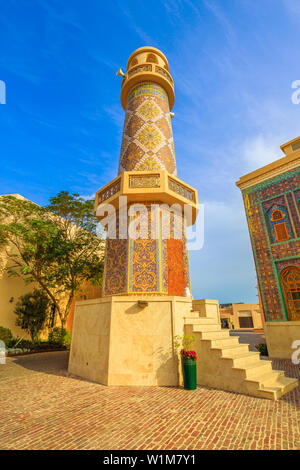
pixel 147 72
pixel 149 186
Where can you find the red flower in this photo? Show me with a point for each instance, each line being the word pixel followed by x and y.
pixel 189 354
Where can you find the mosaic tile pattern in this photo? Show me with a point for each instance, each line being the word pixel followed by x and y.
pixel 147 142
pixel 294 205
pixel 284 264
pixel 115 281
pixel 147 265
pixel 269 255
pixel 176 278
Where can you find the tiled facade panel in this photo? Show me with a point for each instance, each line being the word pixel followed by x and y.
pixel 286 250
pixel 147 142
pixel 115 279
pixel 270 255
pixel 147 265
pixel 295 212
pixel 282 185
pixel 260 242
pixel 284 264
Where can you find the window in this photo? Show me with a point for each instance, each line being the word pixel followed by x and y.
pixel 278 221
pixel 277 215
pixel 290 283
pixel 133 62
pixel 281 232
pixel 152 58
pixel 225 322
pixel 246 322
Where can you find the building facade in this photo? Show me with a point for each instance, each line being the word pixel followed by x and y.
pixel 271 197
pixel 241 316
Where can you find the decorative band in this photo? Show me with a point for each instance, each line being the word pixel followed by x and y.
pixel 146 88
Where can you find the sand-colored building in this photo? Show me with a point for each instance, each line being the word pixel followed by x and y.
pixel 11 288
pixel 241 316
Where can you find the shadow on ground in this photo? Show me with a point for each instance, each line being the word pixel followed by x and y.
pixel 55 362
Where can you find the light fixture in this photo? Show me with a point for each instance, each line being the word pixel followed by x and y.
pixel 120 73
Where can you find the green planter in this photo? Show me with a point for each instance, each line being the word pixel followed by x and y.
pixel 189 373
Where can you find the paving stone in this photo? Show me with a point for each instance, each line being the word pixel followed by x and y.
pixel 42 407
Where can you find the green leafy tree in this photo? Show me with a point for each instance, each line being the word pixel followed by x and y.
pixel 5 335
pixel 55 247
pixel 32 312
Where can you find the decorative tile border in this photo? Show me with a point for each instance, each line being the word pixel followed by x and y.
pixel 144 181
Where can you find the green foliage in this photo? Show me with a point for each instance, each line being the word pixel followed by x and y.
pixel 74 210
pixel 184 341
pixel 44 246
pixel 262 348
pixel 59 336
pixel 31 310
pixel 17 342
pixel 5 335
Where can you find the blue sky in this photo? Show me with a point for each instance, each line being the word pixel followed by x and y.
pixel 233 63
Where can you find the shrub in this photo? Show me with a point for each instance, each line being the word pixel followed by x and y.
pixel 59 336
pixel 21 343
pixel 5 335
pixel 262 348
pixel 31 311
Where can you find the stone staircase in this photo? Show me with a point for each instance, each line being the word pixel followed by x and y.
pixel 226 364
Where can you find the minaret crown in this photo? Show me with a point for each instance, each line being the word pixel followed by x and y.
pixel 147 64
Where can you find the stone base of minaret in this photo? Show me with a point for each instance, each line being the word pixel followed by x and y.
pixel 128 340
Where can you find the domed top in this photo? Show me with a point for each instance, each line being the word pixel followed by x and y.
pixel 147 64
pixel 147 54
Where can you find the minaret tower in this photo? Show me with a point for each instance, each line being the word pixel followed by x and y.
pixel 147 175
pixel 127 337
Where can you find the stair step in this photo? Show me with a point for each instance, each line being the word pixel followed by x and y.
pixel 255 370
pixel 286 384
pixel 191 315
pixel 213 334
pixel 207 328
pixel 242 359
pixel 237 348
pixel 269 393
pixel 221 343
pixel 199 321
pixel 268 378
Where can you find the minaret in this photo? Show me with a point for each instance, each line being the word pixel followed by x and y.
pixel 127 337
pixel 147 175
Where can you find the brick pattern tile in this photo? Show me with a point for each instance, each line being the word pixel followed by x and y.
pixel 43 408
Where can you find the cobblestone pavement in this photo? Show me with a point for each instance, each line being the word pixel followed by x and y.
pixel 249 337
pixel 43 408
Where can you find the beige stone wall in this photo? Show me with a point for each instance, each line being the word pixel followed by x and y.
pixel 11 288
pixel 280 336
pixel 117 342
pixel 207 308
pixel 235 311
